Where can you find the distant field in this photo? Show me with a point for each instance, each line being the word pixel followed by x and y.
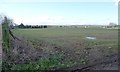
pixel 72 42
pixel 67 32
pixel 69 35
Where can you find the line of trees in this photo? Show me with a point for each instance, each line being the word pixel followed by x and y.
pixel 31 26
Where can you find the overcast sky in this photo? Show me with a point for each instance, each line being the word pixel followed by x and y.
pixel 60 12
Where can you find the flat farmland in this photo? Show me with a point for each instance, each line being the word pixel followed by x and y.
pixel 69 46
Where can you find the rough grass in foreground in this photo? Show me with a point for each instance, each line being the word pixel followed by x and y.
pixel 46 63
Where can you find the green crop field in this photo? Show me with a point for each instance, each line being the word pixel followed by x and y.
pixel 68 46
pixel 69 35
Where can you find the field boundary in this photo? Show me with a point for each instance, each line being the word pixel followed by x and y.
pixel 0 47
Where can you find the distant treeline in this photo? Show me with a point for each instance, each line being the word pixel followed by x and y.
pixel 35 26
pixel 31 26
pixel 111 25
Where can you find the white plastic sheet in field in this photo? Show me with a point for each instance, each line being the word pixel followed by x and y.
pixel 91 37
